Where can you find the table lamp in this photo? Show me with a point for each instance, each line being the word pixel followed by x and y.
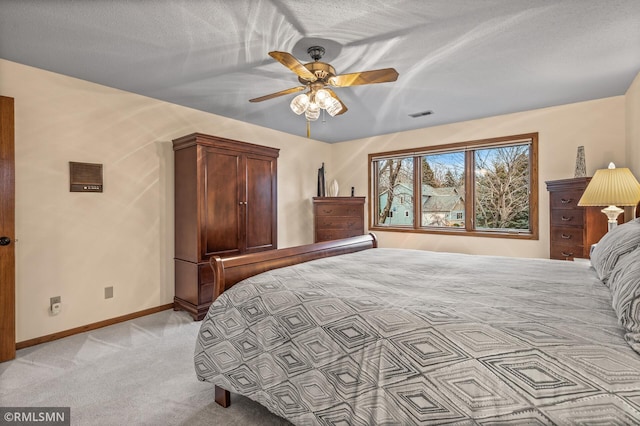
pixel 611 187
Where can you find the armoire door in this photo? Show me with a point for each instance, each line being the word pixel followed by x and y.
pixel 224 195
pixel 261 203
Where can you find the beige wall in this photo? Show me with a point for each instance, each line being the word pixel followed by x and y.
pixel 74 244
pixel 633 126
pixel 598 125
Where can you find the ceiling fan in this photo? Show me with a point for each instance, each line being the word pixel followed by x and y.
pixel 317 77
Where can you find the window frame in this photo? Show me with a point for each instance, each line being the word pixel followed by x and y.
pixel 469 148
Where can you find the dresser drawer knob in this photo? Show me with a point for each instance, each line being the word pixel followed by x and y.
pixel 565 236
pixel 566 219
pixel 565 200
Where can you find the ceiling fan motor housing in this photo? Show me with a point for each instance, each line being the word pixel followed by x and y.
pixel 321 70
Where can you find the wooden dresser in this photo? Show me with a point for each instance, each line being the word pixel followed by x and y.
pixel 338 217
pixel 225 205
pixel 573 229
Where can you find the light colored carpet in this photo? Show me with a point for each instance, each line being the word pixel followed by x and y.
pixel 138 372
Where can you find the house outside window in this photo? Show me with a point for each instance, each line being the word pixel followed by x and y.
pixel 485 188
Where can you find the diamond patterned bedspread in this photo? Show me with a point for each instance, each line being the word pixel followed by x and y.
pixel 394 336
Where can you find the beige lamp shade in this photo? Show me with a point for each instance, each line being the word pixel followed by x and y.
pixel 611 187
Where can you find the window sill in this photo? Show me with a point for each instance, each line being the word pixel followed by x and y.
pixel 460 232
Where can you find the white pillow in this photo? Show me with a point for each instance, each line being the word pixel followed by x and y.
pixel 615 244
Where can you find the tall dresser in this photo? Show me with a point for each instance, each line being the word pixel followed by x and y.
pixel 573 229
pixel 225 204
pixel 337 217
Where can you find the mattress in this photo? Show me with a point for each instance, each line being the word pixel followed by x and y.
pixel 395 336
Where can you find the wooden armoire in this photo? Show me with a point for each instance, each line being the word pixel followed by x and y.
pixel 225 205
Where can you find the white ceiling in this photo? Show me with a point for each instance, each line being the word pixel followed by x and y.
pixel 461 59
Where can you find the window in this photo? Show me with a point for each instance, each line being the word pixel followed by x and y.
pixel 442 187
pixel 485 188
pixel 394 181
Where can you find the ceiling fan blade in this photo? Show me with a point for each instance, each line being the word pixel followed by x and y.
pixel 280 93
pixel 333 95
pixel 294 65
pixel 365 77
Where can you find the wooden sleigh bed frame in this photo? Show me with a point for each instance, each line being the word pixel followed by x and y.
pixel 231 270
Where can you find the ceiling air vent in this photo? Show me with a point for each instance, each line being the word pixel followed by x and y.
pixel 420 114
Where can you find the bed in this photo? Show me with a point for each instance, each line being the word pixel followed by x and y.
pixel 347 333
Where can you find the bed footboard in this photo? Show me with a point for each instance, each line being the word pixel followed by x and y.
pixel 231 270
pixel 228 271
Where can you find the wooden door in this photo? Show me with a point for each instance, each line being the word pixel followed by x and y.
pixel 222 203
pixel 261 203
pixel 7 231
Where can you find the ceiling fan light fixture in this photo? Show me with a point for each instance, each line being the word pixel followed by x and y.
pixel 313 112
pixel 322 98
pixel 333 106
pixel 300 103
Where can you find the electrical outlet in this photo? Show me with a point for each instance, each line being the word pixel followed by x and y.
pixel 55 305
pixel 108 292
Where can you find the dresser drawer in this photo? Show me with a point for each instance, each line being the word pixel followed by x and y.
pixel 339 222
pixel 562 235
pixel 565 199
pixel 339 210
pixel 567 217
pixel 566 252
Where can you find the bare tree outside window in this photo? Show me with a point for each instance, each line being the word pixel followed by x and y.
pixel 502 187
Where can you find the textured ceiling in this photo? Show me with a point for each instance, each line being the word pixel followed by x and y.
pixel 461 59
